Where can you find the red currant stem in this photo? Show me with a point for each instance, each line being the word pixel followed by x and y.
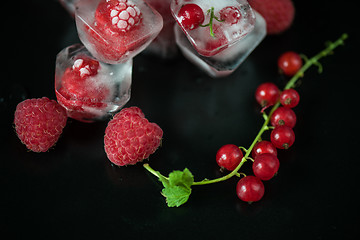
pixel 291 84
pixel 330 46
pixel 210 24
pixel 265 126
pixel 242 148
pixel 152 171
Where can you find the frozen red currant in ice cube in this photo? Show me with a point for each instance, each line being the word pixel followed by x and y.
pixel 230 15
pixel 190 16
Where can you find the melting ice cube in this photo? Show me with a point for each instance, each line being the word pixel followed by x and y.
pixel 89 89
pixel 213 25
pixel 116 30
pixel 228 60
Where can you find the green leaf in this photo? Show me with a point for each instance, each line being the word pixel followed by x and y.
pixel 176 195
pixel 177 188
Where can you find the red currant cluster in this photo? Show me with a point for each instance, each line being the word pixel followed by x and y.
pixel 280 119
pixel 264 153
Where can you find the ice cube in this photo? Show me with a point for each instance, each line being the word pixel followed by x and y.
pixel 212 25
pixel 164 44
pixel 115 31
pixel 88 89
pixel 225 62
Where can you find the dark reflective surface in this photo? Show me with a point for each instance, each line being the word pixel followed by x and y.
pixel 74 191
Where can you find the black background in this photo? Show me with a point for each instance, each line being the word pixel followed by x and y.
pixel 72 191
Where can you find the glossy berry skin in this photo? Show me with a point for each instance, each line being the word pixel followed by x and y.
pixel 289 98
pixel 263 147
pixel 265 166
pixel 282 137
pixel 250 189
pixel 267 94
pixel 283 116
pixel 229 156
pixel 289 63
pixel 190 16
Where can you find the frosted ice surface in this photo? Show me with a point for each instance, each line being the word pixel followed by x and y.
pixel 227 31
pixel 225 62
pixel 105 33
pixel 89 89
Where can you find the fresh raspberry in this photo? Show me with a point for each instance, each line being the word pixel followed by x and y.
pixel 130 137
pixel 117 15
pixel 278 14
pixel 39 123
pixel 81 88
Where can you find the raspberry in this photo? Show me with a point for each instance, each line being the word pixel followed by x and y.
pixel 117 15
pixel 80 87
pixel 39 123
pixel 130 137
pixel 278 14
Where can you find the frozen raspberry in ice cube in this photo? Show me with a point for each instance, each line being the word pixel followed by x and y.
pixel 118 15
pixel 88 89
pixel 116 30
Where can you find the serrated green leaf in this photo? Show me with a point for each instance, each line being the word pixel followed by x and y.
pixel 177 188
pixel 181 178
pixel 176 195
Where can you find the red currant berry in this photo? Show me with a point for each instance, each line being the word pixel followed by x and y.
pixel 282 137
pixel 263 147
pixel 267 94
pixel 289 98
pixel 289 63
pixel 229 156
pixel 265 166
pixel 250 189
pixel 283 116
pixel 190 16
pixel 230 15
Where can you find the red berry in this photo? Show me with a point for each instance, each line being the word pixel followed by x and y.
pixel 117 15
pixel 289 63
pixel 130 137
pixel 289 98
pixel 263 147
pixel 39 123
pixel 283 116
pixel 231 15
pixel 282 137
pixel 80 88
pixel 229 156
pixel 190 16
pixel 215 44
pixel 265 166
pixel 250 189
pixel 267 94
pixel 278 14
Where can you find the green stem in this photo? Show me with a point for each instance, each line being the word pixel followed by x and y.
pixel 315 60
pixel 291 84
pixel 210 24
pixel 152 171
